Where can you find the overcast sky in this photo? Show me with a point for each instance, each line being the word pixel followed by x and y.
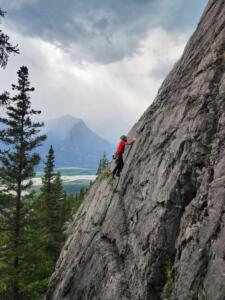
pixel 99 60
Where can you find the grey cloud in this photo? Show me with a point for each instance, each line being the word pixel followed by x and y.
pixel 99 30
pixel 160 71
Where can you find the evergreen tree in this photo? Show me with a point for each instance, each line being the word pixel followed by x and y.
pixel 53 205
pixel 58 187
pixel 6 47
pixel 4 99
pixel 74 202
pixel 103 164
pixel 105 161
pixel 21 135
pixel 59 217
pixel 49 173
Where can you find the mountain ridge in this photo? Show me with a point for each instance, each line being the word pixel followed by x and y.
pixel 74 143
pixel 61 124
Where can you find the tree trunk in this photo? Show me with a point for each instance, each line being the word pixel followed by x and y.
pixel 16 293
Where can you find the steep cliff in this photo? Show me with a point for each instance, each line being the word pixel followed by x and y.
pixel 159 231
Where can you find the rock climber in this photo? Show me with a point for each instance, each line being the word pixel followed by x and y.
pixel 118 156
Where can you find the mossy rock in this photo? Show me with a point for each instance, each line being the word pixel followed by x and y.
pixel 168 287
pixel 208 159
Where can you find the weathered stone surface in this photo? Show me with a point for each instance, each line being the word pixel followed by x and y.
pixel 159 231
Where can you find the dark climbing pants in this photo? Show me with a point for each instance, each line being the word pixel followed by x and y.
pixel 119 165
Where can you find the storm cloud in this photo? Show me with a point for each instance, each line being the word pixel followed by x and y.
pixel 99 60
pixel 100 30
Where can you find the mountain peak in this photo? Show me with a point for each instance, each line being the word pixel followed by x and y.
pixel 74 142
pixel 61 126
pixel 65 119
pixel 68 118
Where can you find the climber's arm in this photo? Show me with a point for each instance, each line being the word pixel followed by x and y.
pixel 130 142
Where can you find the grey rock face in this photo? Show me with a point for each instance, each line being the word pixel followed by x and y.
pixel 159 231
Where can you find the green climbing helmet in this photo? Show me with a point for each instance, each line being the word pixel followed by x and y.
pixel 123 137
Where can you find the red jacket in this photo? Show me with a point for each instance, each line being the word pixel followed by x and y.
pixel 121 147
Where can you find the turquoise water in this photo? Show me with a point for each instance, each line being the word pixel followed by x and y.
pixel 71 171
pixel 73 179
